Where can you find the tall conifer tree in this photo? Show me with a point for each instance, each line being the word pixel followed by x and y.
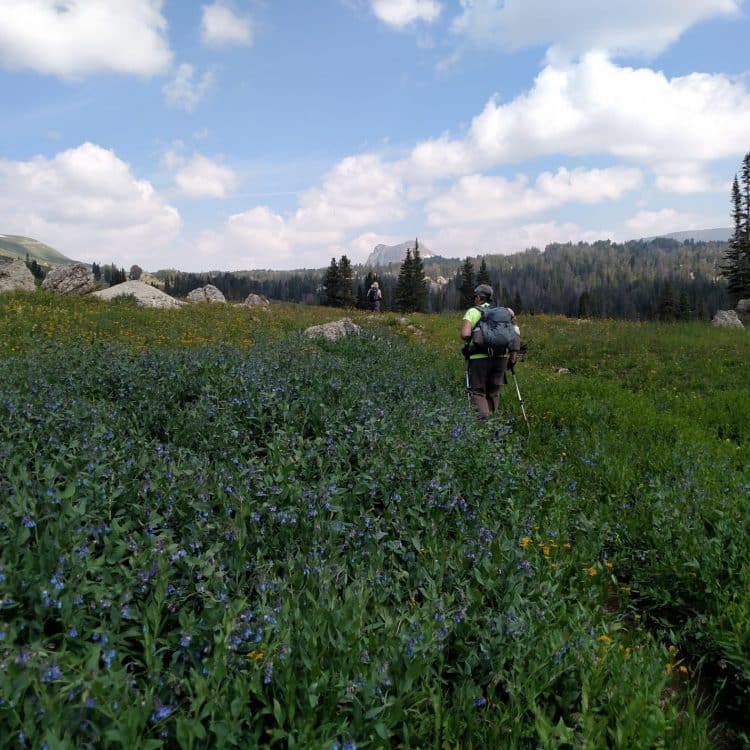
pixel 403 285
pixel 345 291
pixel 735 265
pixel 468 284
pixel 418 283
pixel 483 277
pixel 331 283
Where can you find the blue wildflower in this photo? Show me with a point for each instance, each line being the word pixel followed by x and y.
pixel 160 713
pixel 50 673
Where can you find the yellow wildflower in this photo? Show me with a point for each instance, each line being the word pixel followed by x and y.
pixel 525 541
pixel 256 655
pixel 592 571
pixel 605 639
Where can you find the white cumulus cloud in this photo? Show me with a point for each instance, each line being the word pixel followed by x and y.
pixel 186 89
pixel 597 107
pixel 87 203
pixel 77 38
pixel 481 199
pixel 359 192
pixel 663 221
pixel 400 13
pixel 201 176
pixel 574 26
pixel 220 25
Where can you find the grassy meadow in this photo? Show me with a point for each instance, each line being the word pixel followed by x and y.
pixel 216 532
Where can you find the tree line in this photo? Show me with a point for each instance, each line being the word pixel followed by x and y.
pixel 638 280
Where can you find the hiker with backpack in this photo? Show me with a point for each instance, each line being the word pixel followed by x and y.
pixel 492 340
pixel 374 296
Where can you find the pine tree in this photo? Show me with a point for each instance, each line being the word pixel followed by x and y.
pixel 403 285
pixel 517 303
pixel 744 263
pixel 418 283
pixel 331 283
pixel 345 290
pixel 684 311
pixel 468 284
pixel 584 305
pixel 735 265
pixel 483 277
pixel 730 265
pixel 667 305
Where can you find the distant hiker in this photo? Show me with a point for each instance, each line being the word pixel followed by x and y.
pixel 492 338
pixel 374 296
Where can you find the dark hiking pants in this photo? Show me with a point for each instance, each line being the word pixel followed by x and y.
pixel 485 379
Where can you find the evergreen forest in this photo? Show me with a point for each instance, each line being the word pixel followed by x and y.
pixel 659 279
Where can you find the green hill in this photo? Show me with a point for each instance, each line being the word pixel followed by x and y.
pixel 13 246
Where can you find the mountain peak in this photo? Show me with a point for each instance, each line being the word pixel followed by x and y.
pixel 382 255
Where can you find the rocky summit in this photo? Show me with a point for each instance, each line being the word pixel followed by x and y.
pixel 382 255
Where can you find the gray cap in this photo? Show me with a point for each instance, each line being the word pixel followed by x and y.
pixel 484 290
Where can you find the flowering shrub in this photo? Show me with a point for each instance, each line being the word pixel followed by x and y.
pixel 303 544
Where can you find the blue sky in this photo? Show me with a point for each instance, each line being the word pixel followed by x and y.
pixel 242 134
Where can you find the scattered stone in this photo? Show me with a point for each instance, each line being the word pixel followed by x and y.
pixel 256 299
pixel 144 294
pixel 743 311
pixel 562 371
pixel 727 319
pixel 75 279
pixel 338 329
pixel 208 293
pixel 14 275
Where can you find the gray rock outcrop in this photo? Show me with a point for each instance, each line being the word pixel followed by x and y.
pixel 15 275
pixel 727 319
pixel 208 293
pixel 144 294
pixel 743 311
pixel 382 255
pixel 255 299
pixel 75 279
pixel 333 331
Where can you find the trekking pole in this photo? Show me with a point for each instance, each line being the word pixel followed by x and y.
pixel 520 400
pixel 468 392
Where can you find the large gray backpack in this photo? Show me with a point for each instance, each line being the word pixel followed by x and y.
pixel 494 334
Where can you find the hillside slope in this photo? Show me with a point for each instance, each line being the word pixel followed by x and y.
pixel 15 246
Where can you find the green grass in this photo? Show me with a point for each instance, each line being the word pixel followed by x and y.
pixel 220 533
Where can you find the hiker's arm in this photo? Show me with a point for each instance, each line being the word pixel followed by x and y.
pixel 466 328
